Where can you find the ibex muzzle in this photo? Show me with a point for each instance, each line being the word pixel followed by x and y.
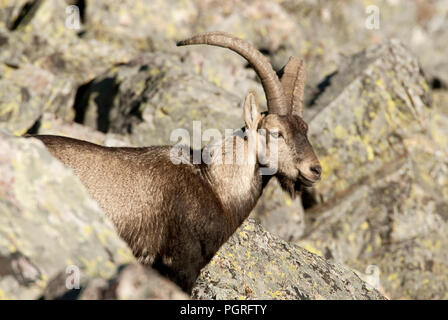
pixel 175 217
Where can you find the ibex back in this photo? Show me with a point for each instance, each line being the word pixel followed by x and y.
pixel 175 217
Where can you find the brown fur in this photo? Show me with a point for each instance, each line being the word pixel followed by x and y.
pixel 172 216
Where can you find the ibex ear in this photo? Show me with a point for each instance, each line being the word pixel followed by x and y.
pixel 251 112
pixel 292 77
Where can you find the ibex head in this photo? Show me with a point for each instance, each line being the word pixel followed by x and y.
pixel 297 164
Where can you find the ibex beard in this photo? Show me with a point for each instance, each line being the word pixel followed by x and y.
pixel 175 217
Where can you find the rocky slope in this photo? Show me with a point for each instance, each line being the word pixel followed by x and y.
pixel 382 199
pixel 376 104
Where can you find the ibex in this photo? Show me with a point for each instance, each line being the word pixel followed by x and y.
pixel 175 217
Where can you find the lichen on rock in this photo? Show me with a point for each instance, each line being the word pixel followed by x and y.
pixel 255 264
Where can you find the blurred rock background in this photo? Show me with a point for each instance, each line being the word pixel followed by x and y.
pixel 377 106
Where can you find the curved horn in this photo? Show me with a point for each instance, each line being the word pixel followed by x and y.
pixel 271 84
pixel 292 78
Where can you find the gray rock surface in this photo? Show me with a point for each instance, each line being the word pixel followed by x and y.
pixel 133 282
pixel 26 91
pixel 153 95
pixel 384 187
pixel 254 264
pixel 49 224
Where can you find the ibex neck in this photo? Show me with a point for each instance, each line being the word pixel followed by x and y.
pixel 238 186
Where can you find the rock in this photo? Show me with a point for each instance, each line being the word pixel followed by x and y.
pixel 56 60
pixel 10 13
pixel 27 91
pixel 47 39
pixel 377 99
pixel 392 223
pixel 323 33
pixel 254 264
pixel 50 228
pixel 48 222
pixel 265 24
pixel 133 282
pixel 385 184
pixel 334 30
pixel 50 124
pixel 125 24
pixel 153 95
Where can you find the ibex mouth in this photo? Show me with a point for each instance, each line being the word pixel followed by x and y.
pixel 304 181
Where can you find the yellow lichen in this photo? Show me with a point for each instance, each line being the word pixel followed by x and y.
pixel 90 266
pixel 308 246
pixel 370 154
pixel 365 225
pixel 340 132
pixel 88 229
pixel 392 277
pixel 351 237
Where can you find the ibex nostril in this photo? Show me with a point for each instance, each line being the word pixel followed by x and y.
pixel 317 170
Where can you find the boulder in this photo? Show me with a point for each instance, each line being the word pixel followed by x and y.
pixel 143 26
pixel 52 233
pixel 378 98
pixel 43 53
pixel 332 30
pixel 26 91
pixel 47 39
pixel 50 124
pixel 382 198
pixel 255 264
pixel 133 282
pixel 153 95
